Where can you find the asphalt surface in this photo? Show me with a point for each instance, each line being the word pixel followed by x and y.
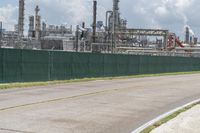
pixel 116 106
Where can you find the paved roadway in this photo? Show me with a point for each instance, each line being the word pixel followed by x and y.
pixel 116 106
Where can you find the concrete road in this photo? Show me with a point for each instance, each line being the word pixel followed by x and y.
pixel 117 106
pixel 186 122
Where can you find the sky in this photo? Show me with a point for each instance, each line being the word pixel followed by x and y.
pixel 173 15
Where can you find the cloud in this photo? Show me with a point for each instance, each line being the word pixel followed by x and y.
pixel 66 11
pixel 7 16
pixel 167 14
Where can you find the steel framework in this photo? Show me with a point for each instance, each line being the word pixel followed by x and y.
pixel 147 32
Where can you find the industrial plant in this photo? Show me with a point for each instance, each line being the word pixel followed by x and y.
pixel 109 36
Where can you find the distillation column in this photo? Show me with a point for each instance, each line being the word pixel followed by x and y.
pixel 115 22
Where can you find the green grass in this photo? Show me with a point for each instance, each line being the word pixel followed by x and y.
pixel 30 84
pixel 168 118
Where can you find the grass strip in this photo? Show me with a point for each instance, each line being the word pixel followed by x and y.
pixel 168 118
pixel 32 84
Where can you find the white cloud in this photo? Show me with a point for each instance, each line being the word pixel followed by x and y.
pixel 7 16
pixel 161 11
pixel 167 14
pixel 182 4
pixel 66 11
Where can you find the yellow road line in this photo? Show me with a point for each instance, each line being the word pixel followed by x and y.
pixel 60 99
pixel 16 131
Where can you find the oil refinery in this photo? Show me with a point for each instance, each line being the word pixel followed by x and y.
pixel 101 76
pixel 109 36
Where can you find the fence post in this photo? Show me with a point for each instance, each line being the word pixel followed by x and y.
pixel 50 63
pixel 2 63
pixel 3 66
pixel 21 66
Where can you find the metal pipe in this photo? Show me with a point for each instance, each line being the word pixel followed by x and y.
pixel 107 13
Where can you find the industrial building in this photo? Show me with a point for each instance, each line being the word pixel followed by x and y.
pixel 111 36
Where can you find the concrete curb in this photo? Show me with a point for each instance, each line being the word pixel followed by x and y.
pixel 140 129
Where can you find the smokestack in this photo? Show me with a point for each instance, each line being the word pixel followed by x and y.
pixel 44 28
pixel 94 20
pixel 115 13
pixel 31 26
pixel 37 23
pixel 1 28
pixel 83 25
pixel 77 38
pixel 191 39
pixel 71 29
pixel 21 19
pixel 195 40
pixel 187 35
pixel 83 32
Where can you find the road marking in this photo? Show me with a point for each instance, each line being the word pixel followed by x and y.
pixel 140 129
pixel 64 98
pixel 16 131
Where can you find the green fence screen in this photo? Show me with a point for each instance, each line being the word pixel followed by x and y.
pixel 32 65
pixel 1 65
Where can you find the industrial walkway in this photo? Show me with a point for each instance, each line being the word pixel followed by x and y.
pixel 116 106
